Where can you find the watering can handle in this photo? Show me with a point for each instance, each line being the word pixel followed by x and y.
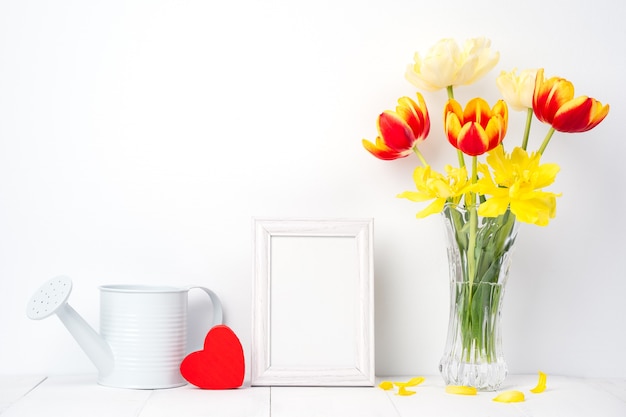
pixel 217 304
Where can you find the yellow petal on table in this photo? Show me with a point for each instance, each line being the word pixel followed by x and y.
pixel 510 397
pixel 461 390
pixel 386 385
pixel 411 382
pixel 405 392
pixel 541 385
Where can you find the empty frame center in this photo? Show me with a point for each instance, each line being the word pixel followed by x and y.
pixel 313 316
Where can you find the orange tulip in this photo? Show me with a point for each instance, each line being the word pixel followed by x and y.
pixel 478 129
pixel 554 104
pixel 400 131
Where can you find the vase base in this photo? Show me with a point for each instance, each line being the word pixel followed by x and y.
pixel 483 377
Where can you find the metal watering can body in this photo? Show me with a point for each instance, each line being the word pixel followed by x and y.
pixel 143 330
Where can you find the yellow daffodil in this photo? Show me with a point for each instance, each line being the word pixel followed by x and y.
pixel 517 90
pixel 447 64
pixel 461 390
pixel 541 384
pixel 433 185
pixel 517 182
pixel 510 397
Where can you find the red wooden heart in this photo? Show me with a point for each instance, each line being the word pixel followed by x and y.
pixel 220 365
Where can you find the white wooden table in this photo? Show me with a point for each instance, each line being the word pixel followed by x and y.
pixel 80 396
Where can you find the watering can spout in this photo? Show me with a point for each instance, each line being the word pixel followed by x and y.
pixel 50 299
pixel 96 348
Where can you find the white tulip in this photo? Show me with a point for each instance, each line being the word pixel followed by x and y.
pixel 517 90
pixel 447 64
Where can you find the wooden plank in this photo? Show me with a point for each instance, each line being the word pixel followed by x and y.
pixel 330 402
pixel 78 396
pixel 14 387
pixel 192 401
pixel 572 397
pixel 614 386
pixel 81 396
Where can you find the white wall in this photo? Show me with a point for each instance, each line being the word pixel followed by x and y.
pixel 139 138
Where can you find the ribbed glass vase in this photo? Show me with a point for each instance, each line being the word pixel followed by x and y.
pixel 479 256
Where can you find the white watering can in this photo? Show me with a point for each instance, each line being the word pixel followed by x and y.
pixel 143 330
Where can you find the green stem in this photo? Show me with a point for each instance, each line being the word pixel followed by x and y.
pixel 450 90
pixel 474 171
pixel 471 247
pixel 459 154
pixel 546 140
pixel 507 222
pixel 420 156
pixel 529 119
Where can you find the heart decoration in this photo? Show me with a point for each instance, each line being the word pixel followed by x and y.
pixel 220 365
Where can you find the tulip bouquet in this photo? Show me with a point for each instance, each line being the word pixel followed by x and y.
pixel 482 203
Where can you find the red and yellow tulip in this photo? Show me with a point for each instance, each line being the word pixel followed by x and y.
pixel 400 131
pixel 478 128
pixel 554 103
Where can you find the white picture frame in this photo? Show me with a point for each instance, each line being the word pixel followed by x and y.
pixel 313 304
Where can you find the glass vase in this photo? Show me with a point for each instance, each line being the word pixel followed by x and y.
pixel 479 256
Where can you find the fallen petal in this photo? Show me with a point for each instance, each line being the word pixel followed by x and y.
pixel 541 385
pixel 461 390
pixel 411 382
pixel 415 381
pixel 386 385
pixel 405 392
pixel 510 397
